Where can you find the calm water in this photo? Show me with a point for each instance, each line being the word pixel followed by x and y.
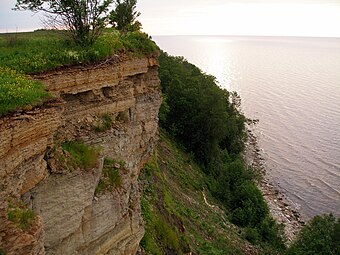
pixel 292 85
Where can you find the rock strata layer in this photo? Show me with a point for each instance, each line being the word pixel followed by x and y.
pixel 71 217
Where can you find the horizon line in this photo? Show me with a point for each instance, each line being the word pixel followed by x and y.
pixel 297 36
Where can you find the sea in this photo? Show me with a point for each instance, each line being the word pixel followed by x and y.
pixel 292 86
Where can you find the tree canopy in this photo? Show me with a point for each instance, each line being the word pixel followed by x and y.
pixel 85 19
pixel 320 236
pixel 123 17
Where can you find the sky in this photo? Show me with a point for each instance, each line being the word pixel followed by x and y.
pixel 319 18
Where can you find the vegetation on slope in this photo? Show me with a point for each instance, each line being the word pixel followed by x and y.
pixel 181 216
pixel 320 236
pixel 205 119
pixel 183 189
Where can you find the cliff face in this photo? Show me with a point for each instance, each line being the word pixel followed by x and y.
pixel 71 217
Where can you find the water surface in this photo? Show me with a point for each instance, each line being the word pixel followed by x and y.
pixel 292 85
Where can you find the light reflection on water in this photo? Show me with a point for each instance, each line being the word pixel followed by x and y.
pixel 292 85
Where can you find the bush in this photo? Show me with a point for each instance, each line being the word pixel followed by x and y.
pixel 272 233
pixel 252 235
pixel 321 236
pixel 250 207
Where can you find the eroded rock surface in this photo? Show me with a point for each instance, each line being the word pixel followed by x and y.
pixel 73 217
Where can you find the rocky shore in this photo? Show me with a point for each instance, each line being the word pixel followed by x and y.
pixel 281 209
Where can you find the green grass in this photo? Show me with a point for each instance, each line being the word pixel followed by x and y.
pixel 79 155
pixel 21 216
pixel 40 51
pixel 104 124
pixel 110 178
pixel 177 219
pixel 18 91
pixel 43 50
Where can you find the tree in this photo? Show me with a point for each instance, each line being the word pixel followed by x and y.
pixel 85 19
pixel 124 16
pixel 320 236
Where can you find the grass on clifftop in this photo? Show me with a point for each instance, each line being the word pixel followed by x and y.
pixel 39 51
pixel 18 91
pixel 44 50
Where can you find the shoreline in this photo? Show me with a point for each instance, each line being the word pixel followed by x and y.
pixel 280 207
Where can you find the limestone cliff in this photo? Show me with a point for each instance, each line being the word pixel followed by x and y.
pixel 70 216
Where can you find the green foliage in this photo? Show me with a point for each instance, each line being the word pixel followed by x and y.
pixel 123 17
pixel 167 235
pixel 79 155
pixel 162 230
pixel 105 123
pixel 45 50
pixel 252 235
pixel 249 206
pixel 138 43
pixel 149 244
pixel 110 178
pixel 321 236
pixel 18 91
pixel 40 51
pixel 201 115
pixel 85 20
pixel 20 215
pixel 173 206
pixel 196 110
pixel 164 110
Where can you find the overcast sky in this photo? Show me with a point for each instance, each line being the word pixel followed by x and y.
pixel 215 17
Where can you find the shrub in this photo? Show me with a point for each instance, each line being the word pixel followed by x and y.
pixel 250 207
pixel 18 91
pixel 321 236
pixel 272 233
pixel 252 235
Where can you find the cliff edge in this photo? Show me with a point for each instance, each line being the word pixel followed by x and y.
pixel 49 204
